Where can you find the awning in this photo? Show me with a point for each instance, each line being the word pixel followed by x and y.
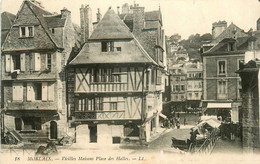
pixel 219 105
pixel 162 115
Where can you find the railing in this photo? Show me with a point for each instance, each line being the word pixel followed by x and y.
pixel 209 143
pixel 100 115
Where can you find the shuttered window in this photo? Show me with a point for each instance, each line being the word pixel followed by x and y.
pixel 17 91
pixel 40 91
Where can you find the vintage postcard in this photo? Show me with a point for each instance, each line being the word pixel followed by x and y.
pixel 124 81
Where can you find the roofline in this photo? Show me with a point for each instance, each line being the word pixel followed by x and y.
pixel 223 53
pixel 110 39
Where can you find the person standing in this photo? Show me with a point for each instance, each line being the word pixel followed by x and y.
pixel 184 121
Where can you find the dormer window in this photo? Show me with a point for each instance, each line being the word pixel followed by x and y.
pixel 107 46
pixel 26 31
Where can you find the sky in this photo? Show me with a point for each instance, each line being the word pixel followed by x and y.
pixel 185 17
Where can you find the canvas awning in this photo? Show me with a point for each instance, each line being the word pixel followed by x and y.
pixel 162 115
pixel 219 105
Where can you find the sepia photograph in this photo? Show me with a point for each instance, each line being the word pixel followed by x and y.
pixel 130 81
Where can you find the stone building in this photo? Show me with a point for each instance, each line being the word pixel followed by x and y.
pixel 34 54
pixel 221 85
pixel 178 84
pixel 115 82
pixel 194 84
pixel 250 114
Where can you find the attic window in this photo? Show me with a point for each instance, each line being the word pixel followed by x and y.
pixel 107 46
pixel 26 31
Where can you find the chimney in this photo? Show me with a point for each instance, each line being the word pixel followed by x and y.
pixel 118 10
pixel 99 15
pixel 218 28
pixel 65 13
pixel 138 19
pixel 85 22
pixel 125 8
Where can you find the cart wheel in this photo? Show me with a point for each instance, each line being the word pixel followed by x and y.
pixel 9 139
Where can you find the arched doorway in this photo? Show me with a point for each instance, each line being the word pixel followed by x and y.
pixel 53 130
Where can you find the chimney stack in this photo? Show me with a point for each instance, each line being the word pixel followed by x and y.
pixel 85 22
pixel 99 15
pixel 65 13
pixel 118 10
pixel 218 28
pixel 138 19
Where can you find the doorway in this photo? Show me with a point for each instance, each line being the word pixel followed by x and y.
pixel 53 130
pixel 93 133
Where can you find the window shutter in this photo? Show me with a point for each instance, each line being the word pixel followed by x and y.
pixel 22 63
pixel 17 91
pixel 26 31
pixel 29 92
pixel 8 63
pixel 51 92
pixel 37 61
pixel 44 91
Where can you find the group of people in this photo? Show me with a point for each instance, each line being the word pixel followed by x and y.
pixel 172 121
pixel 229 130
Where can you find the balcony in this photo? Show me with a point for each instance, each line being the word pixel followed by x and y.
pixel 100 115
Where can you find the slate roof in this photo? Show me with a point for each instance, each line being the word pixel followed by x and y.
pixel 7 19
pixel 40 13
pixel 54 21
pixel 239 43
pixel 111 27
pixel 228 33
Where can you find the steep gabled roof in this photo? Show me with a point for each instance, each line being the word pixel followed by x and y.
pixel 45 41
pixel 134 53
pixel 40 13
pixel 111 27
pixel 229 33
pixel 7 20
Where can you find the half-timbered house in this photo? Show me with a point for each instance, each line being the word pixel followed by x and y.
pixel 114 86
pixel 34 54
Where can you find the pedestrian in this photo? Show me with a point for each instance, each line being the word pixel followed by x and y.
pixel 178 124
pixel 184 121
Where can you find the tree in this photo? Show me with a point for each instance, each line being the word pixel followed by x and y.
pixel 175 37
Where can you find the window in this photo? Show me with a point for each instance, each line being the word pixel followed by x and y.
pixel 118 49
pixel 113 106
pixel 197 95
pixel 231 46
pixel 182 88
pixel 52 30
pixel 49 61
pixel 240 63
pixel 190 95
pixel 221 67
pixel 32 123
pixel 222 89
pixel 17 62
pixel 152 76
pixel 27 31
pixel 107 46
pixel 38 91
pixel 96 75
